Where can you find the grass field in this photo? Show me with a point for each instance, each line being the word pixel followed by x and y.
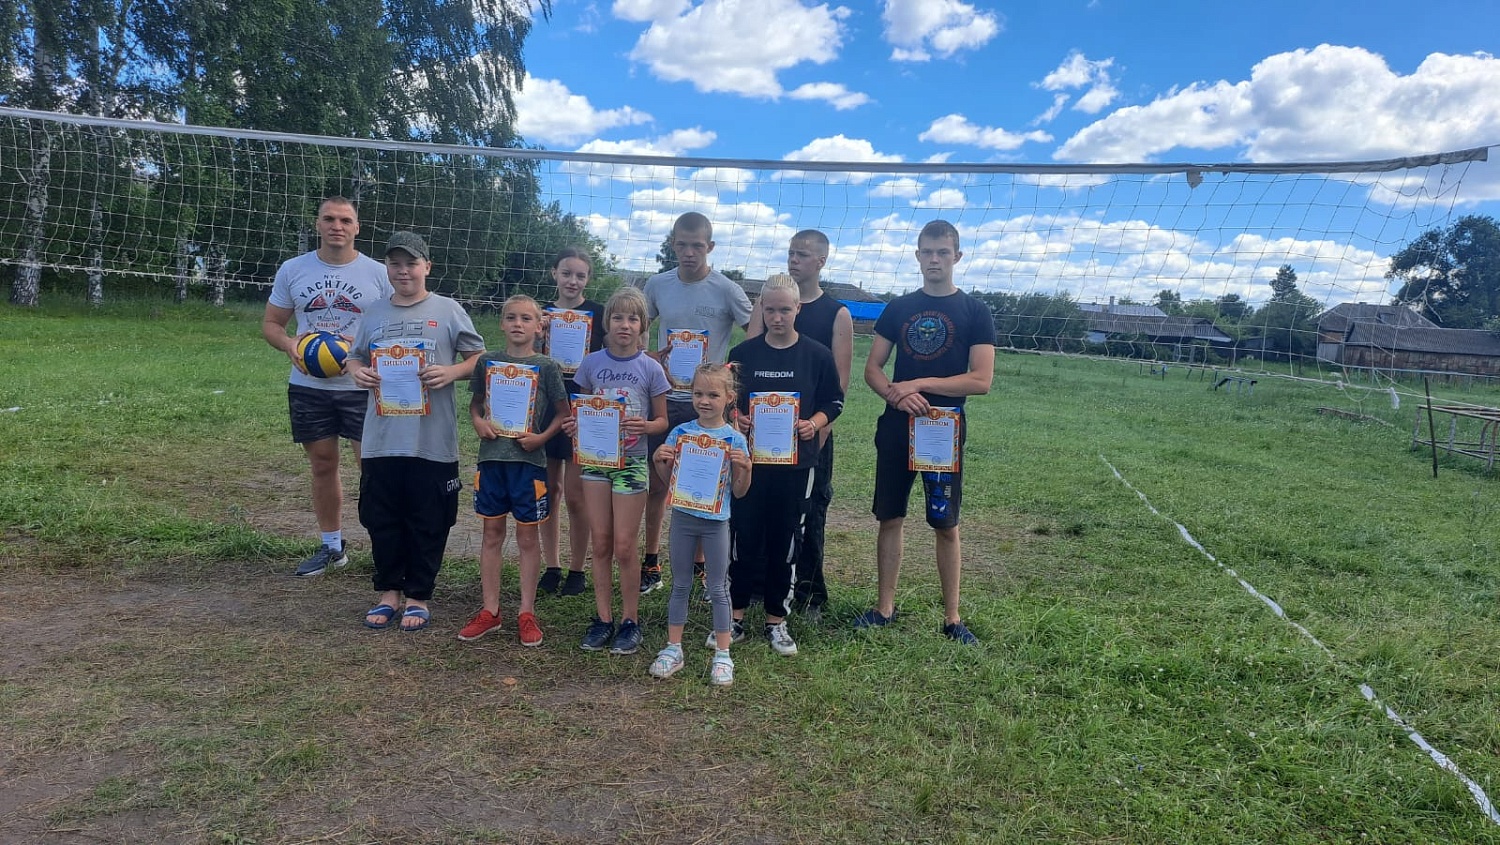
pixel 164 681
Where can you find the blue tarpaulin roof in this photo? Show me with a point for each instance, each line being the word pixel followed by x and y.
pixel 864 310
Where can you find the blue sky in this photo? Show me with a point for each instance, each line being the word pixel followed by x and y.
pixel 1068 81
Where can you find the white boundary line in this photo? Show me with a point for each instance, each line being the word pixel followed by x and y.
pixel 1365 690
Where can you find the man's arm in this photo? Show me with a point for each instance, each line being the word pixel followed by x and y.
pixel 273 329
pixel 875 377
pixel 757 323
pixel 975 382
pixel 843 346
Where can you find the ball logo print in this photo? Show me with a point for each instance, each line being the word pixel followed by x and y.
pixel 323 354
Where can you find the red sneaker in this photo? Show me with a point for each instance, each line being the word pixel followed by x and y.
pixel 531 633
pixel 482 623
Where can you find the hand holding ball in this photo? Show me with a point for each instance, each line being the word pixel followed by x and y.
pixel 322 354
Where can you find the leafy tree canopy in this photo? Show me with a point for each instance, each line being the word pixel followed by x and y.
pixel 1453 273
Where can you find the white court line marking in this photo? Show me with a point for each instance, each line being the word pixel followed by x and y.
pixel 1365 690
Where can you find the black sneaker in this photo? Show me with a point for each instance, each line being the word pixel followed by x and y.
pixel 324 558
pixel 574 585
pixel 736 634
pixel 627 638
pixel 650 579
pixel 598 636
pixel 550 579
pixel 957 632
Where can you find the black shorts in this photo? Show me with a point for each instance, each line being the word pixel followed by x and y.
pixel 560 447
pixel 942 493
pixel 677 414
pixel 321 414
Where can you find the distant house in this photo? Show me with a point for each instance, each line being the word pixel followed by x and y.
pixel 1427 348
pixel 1335 324
pixel 1149 327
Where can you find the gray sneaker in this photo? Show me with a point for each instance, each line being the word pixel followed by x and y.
pixel 781 639
pixel 736 634
pixel 324 558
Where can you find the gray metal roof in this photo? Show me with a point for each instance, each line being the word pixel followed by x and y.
pixel 1121 310
pixel 1340 317
pixel 1195 328
pixel 1424 339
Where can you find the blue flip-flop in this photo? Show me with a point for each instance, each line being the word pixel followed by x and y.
pixel 421 613
pixel 380 610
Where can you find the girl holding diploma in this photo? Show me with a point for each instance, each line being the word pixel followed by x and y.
pixel 615 498
pixel 791 393
pixel 700 495
pixel 571 272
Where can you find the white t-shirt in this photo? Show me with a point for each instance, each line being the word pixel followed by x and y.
pixel 329 298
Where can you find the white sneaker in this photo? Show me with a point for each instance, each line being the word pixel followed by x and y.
pixel 721 669
pixel 667 662
pixel 736 634
pixel 781 639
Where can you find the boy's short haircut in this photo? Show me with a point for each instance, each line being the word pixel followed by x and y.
pixel 813 236
pixel 693 221
pixel 627 300
pixel 940 229
pixel 522 299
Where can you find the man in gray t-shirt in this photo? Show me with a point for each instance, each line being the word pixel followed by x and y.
pixel 691 296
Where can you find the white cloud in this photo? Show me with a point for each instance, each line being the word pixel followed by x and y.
pixel 943 198
pixel 904 187
pixel 836 95
pixel 716 179
pixel 676 143
pixel 836 148
pixel 1058 101
pixel 918 28
pixel 1327 103
pixel 956 129
pixel 548 113
pixel 734 46
pixel 1078 71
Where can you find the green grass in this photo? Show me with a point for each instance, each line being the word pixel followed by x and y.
pixel 1128 689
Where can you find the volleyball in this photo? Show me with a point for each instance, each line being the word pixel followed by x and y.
pixel 323 354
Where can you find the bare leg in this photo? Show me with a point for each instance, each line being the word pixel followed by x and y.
pixel 578 517
pixel 949 558
pixel 888 548
pixel 549 526
pixel 529 542
pixel 627 527
pixel 601 514
pixel 327 488
pixel 656 511
pixel 490 562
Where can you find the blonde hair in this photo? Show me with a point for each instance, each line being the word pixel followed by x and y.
pixel 725 373
pixel 781 281
pixel 627 300
pixel 522 299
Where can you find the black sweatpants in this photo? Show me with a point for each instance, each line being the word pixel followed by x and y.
pixel 811 589
pixel 408 505
pixel 767 532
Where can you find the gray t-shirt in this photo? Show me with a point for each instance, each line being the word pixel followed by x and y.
pixel 329 298
pixel 715 304
pixel 549 391
pixel 440 326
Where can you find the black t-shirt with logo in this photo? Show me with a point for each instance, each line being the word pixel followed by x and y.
pixel 932 336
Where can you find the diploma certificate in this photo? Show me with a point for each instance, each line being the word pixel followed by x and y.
pixel 773 431
pixel 688 349
pixel 700 478
pixel 510 396
pixel 934 440
pixel 400 392
pixel 600 439
pixel 568 337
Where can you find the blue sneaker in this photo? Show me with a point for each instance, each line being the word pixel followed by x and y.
pixel 598 636
pixel 957 632
pixel 627 638
pixel 325 557
pixel 873 618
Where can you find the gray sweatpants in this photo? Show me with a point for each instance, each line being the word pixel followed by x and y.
pixel 687 533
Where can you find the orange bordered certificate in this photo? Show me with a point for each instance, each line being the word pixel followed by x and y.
pixel 400 392
pixel 688 348
pixel 773 427
pixel 568 336
pixel 933 444
pixel 700 477
pixel 510 396
pixel 599 440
